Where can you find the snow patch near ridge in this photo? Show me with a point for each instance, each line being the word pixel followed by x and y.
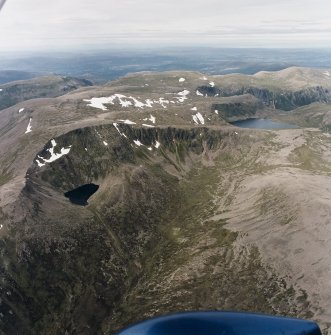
pixel 152 119
pixel 163 102
pixel 29 128
pixel 127 122
pixel 119 131
pixel 183 95
pixel 41 161
pixel 198 118
pixel 125 101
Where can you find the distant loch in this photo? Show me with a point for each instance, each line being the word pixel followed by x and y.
pixel 263 124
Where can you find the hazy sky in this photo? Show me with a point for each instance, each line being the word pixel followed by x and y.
pixel 44 24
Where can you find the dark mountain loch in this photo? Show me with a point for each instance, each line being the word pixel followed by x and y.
pixel 81 194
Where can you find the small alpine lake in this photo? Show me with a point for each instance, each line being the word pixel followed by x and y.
pixel 263 124
pixel 81 194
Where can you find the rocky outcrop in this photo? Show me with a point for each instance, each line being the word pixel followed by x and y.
pixel 241 107
pixel 279 99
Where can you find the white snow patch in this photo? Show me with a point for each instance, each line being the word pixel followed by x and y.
pixel 204 78
pixel 198 118
pixel 157 144
pixel 216 111
pixel 105 143
pixel 116 126
pixel 1 89
pixel 29 128
pixel 181 80
pixel 85 149
pixel 1 226
pixel 152 119
pixel 327 73
pixel 199 93
pixel 212 84
pixel 150 148
pixel 54 156
pixel 125 101
pixel 236 133
pixel 127 121
pixel 21 110
pixel 100 102
pixel 137 103
pixel 184 93
pixel 149 103
pixel 138 143
pixel 148 125
pixel 194 109
pixel 40 164
pixel 162 102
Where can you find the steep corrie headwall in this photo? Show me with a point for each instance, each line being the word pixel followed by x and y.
pixel 65 266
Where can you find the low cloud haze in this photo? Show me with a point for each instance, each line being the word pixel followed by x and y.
pixel 73 24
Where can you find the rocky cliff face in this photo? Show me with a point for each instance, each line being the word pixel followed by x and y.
pixel 281 99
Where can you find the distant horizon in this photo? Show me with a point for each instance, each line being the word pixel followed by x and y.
pixel 108 64
pixel 86 50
